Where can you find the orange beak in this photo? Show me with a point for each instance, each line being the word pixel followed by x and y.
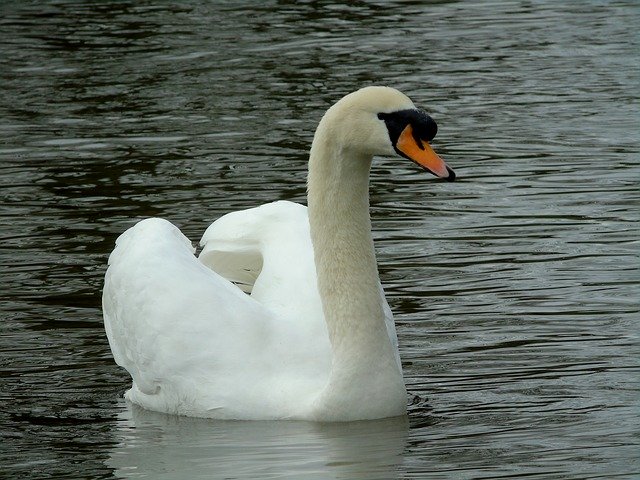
pixel 421 153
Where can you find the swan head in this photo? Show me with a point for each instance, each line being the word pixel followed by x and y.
pixel 384 121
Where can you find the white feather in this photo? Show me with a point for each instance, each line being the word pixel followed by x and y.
pixel 313 339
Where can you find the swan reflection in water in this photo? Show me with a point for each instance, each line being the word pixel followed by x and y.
pixel 164 446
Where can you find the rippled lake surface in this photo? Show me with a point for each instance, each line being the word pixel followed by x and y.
pixel 516 289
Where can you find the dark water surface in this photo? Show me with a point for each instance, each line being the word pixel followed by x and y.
pixel 516 289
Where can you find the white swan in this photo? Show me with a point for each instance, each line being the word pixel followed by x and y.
pixel 315 338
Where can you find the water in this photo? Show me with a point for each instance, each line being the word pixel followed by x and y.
pixel 516 289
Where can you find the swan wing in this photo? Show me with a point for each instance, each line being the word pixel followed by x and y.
pixel 192 341
pixel 267 251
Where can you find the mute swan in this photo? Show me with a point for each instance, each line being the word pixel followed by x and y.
pixel 314 339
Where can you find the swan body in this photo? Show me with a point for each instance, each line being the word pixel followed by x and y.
pixel 282 315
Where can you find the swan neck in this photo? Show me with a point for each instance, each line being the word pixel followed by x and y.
pixel 338 198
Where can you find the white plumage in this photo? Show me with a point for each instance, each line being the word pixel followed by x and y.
pixel 282 316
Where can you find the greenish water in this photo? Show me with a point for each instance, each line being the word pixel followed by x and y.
pixel 516 289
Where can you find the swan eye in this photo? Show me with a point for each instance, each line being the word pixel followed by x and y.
pixel 424 127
